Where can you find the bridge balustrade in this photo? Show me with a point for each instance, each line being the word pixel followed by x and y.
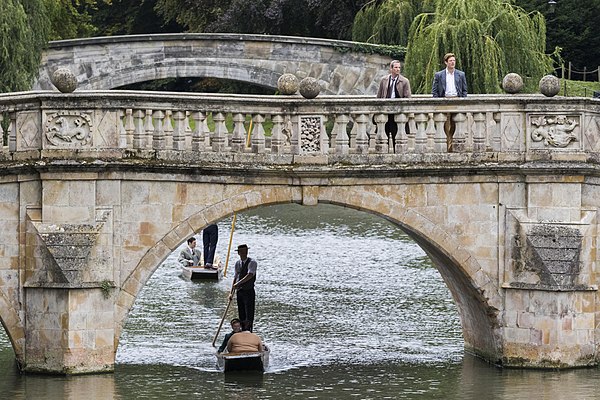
pixel 328 129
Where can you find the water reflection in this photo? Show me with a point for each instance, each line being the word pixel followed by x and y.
pixel 350 307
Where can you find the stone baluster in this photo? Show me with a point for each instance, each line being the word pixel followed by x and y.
pixel 362 140
pixel 188 130
pixel 258 135
pixel 341 136
pixel 277 137
pixel 121 128
pixel 219 138
pixel 238 138
pixel 198 131
pixel 158 139
pixel 149 128
pixel 459 137
pixel 179 131
pixel 2 129
pixel 168 129
pixel 421 135
pixel 295 145
pixel 129 128
pixel 401 136
pixel 138 130
pixel 324 139
pixel 478 133
pixel 430 131
pixel 353 135
pixel 440 141
pixel 207 133
pixel 496 138
pixel 412 131
pixel 12 131
pixel 382 145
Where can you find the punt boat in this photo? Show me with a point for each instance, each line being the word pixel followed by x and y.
pixel 256 361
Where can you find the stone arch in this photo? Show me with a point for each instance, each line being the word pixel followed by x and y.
pixel 13 326
pixel 471 287
pixel 108 62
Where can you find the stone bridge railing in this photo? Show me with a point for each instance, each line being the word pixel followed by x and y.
pixel 292 130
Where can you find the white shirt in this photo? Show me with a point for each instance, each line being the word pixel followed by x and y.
pixel 450 85
pixel 393 87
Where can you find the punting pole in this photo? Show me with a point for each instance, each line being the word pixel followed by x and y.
pixel 224 314
pixel 225 274
pixel 230 240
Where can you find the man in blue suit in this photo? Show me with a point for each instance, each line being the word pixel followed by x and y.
pixel 449 82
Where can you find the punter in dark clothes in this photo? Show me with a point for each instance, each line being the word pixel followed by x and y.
pixel 244 278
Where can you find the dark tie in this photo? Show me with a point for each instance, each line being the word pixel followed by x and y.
pixel 391 87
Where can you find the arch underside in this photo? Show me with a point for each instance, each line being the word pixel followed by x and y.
pixel 221 70
pixel 478 308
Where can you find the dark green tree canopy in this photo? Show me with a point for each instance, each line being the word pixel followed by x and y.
pixel 572 26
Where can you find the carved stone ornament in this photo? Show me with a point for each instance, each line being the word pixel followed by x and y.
pixel 310 134
pixel 69 129
pixel 554 131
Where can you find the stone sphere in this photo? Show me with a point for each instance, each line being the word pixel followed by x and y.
pixel 64 80
pixel 549 85
pixel 287 84
pixel 309 87
pixel 512 83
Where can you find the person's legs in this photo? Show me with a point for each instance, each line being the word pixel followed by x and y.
pixel 449 128
pixel 241 305
pixel 250 307
pixel 391 129
pixel 210 237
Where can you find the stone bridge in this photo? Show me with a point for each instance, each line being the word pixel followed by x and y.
pixel 110 62
pixel 98 188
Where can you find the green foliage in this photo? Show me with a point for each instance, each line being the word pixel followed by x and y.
pixel 394 52
pixel 70 19
pixel 578 88
pixel 23 35
pixel 489 37
pixel 573 26
pixel 388 22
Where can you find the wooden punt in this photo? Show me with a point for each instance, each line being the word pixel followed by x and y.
pixel 200 272
pixel 230 362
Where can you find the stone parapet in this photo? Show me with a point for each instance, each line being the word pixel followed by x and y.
pixel 189 128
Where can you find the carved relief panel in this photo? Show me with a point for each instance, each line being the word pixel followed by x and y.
pixel 554 132
pixel 68 129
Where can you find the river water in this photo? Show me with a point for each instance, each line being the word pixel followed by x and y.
pixel 349 305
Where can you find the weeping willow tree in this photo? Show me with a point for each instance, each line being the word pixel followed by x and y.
pixel 23 34
pixel 489 37
pixel 387 22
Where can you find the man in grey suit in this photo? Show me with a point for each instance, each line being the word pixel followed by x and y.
pixel 449 82
pixel 190 255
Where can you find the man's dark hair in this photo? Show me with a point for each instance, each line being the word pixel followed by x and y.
pixel 233 321
pixel 190 240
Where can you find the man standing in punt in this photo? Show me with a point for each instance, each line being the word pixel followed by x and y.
pixel 244 278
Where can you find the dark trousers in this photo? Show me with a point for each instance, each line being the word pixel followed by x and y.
pixel 246 300
pixel 210 237
pixel 391 129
